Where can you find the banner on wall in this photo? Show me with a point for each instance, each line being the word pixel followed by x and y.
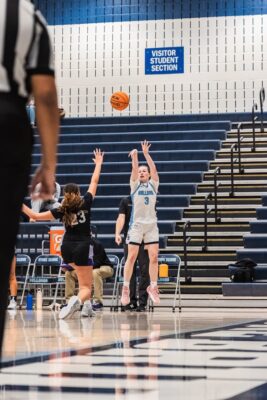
pixel 164 60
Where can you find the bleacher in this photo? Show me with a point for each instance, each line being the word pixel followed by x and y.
pixel 181 147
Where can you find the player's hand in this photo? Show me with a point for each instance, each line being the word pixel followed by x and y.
pixel 118 239
pixel 46 177
pixel 145 146
pixel 133 153
pixel 98 156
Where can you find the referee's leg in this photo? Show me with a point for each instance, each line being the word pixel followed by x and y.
pixel 15 161
pixel 14 180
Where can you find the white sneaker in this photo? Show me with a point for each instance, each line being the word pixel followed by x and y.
pixel 12 314
pixel 125 295
pixel 87 310
pixel 72 306
pixel 12 305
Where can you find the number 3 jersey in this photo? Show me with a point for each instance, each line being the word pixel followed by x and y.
pixel 144 197
pixel 81 221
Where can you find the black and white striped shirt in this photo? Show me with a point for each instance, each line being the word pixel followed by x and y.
pixel 25 47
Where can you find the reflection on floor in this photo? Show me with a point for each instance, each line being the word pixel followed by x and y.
pixel 199 354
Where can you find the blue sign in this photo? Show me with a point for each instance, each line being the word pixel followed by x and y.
pixel 164 60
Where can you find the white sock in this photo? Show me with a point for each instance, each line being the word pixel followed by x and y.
pixel 153 284
pixel 126 283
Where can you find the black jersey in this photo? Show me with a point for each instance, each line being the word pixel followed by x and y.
pixel 81 225
pixel 125 207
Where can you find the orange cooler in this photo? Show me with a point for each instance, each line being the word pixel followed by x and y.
pixel 163 271
pixel 56 234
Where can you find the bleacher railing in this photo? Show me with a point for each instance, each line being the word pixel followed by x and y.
pixel 236 147
pixel 207 210
pixel 262 100
pixel 239 140
pixel 217 171
pixel 186 240
pixel 253 120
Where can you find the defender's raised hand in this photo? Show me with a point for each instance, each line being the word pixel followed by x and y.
pixel 98 156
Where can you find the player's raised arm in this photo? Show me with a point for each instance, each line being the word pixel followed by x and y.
pixel 98 160
pixel 134 156
pixel 153 169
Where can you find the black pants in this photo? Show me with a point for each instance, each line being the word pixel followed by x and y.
pixel 143 262
pixel 15 159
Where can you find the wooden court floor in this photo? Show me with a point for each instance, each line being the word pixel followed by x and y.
pixel 202 354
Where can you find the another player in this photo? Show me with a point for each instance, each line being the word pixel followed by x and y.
pixel 144 184
pixel 13 286
pixel 76 249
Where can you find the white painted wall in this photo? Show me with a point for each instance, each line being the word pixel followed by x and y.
pixel 225 65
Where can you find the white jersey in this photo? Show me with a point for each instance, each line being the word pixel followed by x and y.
pixel 144 197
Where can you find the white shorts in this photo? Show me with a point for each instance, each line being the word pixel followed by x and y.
pixel 147 233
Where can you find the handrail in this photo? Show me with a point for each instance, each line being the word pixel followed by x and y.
pixel 233 148
pixel 187 277
pixel 206 212
pixel 254 119
pixel 215 186
pixel 262 100
pixel 239 140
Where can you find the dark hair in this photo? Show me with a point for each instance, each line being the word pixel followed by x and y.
pixel 71 202
pixel 145 165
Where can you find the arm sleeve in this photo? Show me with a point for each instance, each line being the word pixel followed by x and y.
pixel 56 214
pixel 88 199
pixel 123 207
pixel 40 59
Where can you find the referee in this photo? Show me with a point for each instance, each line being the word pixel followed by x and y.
pixel 26 67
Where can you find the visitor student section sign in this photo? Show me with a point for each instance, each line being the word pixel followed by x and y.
pixel 164 60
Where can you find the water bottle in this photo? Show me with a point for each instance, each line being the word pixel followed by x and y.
pixel 29 301
pixel 39 299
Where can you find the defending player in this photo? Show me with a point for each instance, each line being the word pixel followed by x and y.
pixel 76 249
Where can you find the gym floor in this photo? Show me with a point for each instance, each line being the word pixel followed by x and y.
pixel 203 354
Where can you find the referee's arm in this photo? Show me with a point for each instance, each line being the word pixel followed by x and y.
pixel 45 95
pixel 40 68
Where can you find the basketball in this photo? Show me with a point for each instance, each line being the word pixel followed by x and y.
pixel 119 100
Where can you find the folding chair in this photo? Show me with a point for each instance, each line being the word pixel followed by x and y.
pixel 117 269
pixel 23 261
pixel 174 262
pixel 47 271
pixel 117 283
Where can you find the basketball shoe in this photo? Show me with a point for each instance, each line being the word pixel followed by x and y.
pixel 125 295
pixel 87 310
pixel 153 293
pixel 72 306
